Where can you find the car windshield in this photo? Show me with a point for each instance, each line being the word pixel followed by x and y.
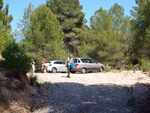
pixel 62 62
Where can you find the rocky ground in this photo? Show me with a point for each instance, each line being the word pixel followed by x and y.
pixel 15 98
pixel 112 92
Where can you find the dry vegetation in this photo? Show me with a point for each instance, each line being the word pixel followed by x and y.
pixel 14 99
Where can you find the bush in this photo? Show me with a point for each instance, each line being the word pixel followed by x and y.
pixel 145 65
pixel 129 66
pixel 33 79
pixel 15 59
pixel 107 68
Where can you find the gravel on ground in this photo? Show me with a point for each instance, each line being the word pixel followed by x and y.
pixel 111 92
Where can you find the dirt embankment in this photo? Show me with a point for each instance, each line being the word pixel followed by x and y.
pixel 13 97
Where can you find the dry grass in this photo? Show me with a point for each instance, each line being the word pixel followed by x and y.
pixel 0 56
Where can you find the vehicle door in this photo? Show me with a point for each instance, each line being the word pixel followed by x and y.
pixel 85 64
pixel 94 64
pixel 76 61
pixel 57 65
pixel 62 67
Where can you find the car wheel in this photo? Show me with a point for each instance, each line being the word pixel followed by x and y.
pixel 101 69
pixel 54 70
pixel 83 70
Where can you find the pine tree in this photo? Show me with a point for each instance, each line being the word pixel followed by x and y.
pixel 102 28
pixel 71 19
pixel 111 37
pixel 24 25
pixel 5 28
pixel 121 26
pixel 140 44
pixel 45 38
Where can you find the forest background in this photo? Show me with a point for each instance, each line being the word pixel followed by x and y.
pixel 57 28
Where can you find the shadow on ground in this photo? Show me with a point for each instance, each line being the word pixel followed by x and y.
pixel 102 98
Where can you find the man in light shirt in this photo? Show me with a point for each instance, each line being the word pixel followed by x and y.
pixel 68 64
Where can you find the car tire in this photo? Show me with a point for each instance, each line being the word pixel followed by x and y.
pixel 54 70
pixel 83 70
pixel 100 69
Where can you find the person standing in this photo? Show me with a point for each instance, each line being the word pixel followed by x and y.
pixel 33 65
pixel 43 61
pixel 68 64
pixel 43 66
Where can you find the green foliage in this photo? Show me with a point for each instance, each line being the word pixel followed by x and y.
pixel 107 68
pixel 59 25
pixel 15 58
pixel 24 25
pixel 71 19
pixel 110 38
pixel 88 42
pixel 5 28
pixel 129 66
pixel 33 79
pixel 4 36
pixel 145 65
pixel 140 43
pixel 4 17
pixel 43 37
pixel 120 22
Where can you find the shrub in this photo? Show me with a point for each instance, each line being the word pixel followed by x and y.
pixel 107 68
pixel 145 65
pixel 33 79
pixel 129 66
pixel 15 58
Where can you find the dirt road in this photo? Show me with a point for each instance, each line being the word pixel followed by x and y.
pixel 113 92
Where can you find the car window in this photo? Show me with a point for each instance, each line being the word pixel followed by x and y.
pixel 48 62
pixel 85 60
pixel 76 61
pixel 92 61
pixel 56 62
pixel 62 62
